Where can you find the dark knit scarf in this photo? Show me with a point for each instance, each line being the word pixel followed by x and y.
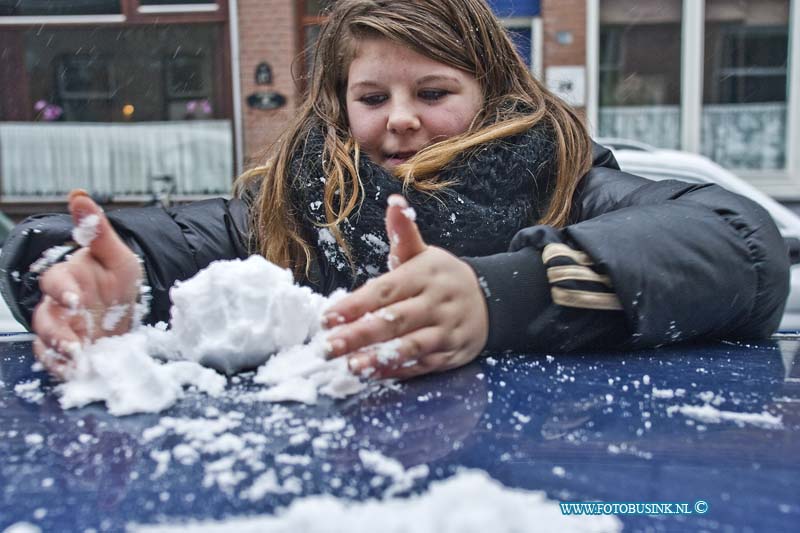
pixel 500 187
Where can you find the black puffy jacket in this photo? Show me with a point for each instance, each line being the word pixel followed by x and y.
pixel 643 263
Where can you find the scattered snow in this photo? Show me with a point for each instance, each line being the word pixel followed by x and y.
pixel 485 287
pixel 396 201
pixel 86 230
pixel 667 394
pixel 72 299
pixel 387 351
pixel 410 214
pixel 113 315
pixel 48 257
pixel 302 460
pixel 385 314
pixel 29 390
pixel 711 397
pixel 233 449
pixel 711 415
pixel 523 419
pixel 630 449
pixel 33 439
pixel 377 243
pixel 22 527
pixel 402 480
pixel 266 483
pixel 470 502
pixel 331 249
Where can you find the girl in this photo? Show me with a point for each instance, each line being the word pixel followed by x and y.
pixel 528 236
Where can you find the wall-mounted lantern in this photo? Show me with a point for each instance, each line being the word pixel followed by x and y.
pixel 263 74
pixel 266 100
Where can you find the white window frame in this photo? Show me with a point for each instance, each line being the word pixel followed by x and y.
pixel 692 68
pixel 236 87
pixel 62 19
pixel 178 8
pixel 781 183
pixel 113 18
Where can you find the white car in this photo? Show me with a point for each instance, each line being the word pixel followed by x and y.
pixel 7 322
pixel 658 164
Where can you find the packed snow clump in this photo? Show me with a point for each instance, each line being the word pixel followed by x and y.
pixel 120 372
pixel 234 314
pixel 231 316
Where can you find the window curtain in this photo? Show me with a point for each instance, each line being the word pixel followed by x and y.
pixel 737 136
pixel 41 159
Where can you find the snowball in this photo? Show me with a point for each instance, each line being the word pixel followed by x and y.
pixel 234 314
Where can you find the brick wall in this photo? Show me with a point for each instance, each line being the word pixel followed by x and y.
pixel 268 32
pixel 564 16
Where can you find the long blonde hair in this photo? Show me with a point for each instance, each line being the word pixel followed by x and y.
pixel 463 34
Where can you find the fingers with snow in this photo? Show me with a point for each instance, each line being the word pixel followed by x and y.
pixel 401 227
pixel 93 230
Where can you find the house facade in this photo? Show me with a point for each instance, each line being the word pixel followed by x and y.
pixel 135 98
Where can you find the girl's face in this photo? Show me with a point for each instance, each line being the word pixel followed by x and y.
pixel 399 102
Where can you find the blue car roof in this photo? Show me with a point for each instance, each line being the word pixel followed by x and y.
pixel 715 422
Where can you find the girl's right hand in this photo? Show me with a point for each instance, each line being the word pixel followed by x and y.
pixel 91 295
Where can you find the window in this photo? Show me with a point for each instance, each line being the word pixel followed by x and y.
pixel 738 102
pixel 173 2
pixel 175 7
pixel 115 11
pixel 743 123
pixel 751 66
pixel 317 7
pixel 640 71
pixel 521 37
pixel 49 7
pixel 83 90
pixel 129 74
pixel 311 20
pixel 116 108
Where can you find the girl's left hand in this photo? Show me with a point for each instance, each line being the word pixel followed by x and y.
pixel 431 303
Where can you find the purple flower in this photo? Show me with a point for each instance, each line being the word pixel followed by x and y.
pixel 39 105
pixel 52 112
pixel 198 106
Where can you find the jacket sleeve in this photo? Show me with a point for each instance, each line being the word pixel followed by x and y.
pixel 643 264
pixel 173 243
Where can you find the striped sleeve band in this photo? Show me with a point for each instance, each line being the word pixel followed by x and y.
pixel 574 282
